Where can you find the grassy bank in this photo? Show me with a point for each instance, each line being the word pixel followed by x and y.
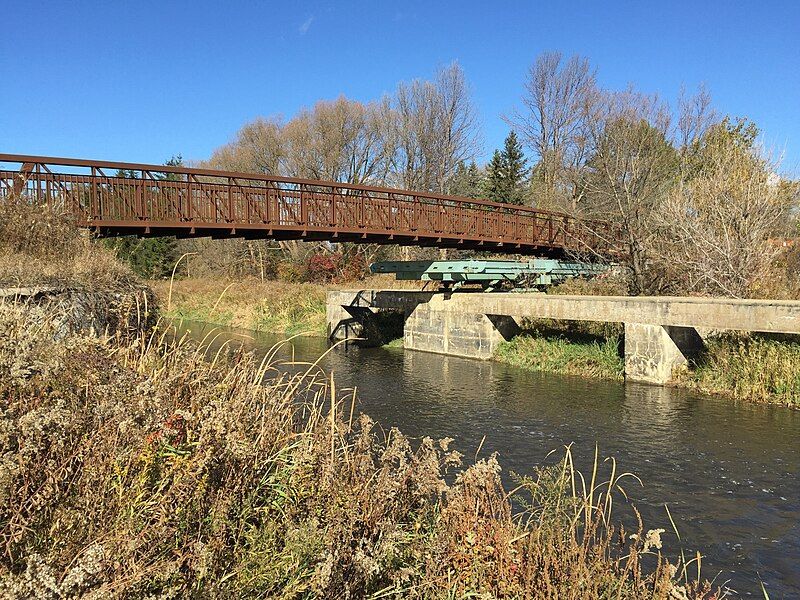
pixel 40 248
pixel 554 354
pixel 272 306
pixel 742 367
pixel 141 469
pixel 749 368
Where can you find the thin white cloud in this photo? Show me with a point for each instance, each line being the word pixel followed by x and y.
pixel 303 29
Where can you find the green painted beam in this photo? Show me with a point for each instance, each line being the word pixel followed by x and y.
pixel 538 272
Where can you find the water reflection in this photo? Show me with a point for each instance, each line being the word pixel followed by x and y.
pixel 728 471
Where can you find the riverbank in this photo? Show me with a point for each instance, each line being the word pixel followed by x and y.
pixel 754 368
pixel 138 468
pixel 738 366
pixel 270 306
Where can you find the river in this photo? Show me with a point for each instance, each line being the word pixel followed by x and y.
pixel 728 471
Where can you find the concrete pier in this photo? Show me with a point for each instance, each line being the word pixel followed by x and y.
pixel 660 332
pixel 471 334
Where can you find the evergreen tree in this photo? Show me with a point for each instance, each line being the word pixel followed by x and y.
pixel 150 258
pixel 466 181
pixel 474 180
pixel 516 171
pixel 506 173
pixel 494 184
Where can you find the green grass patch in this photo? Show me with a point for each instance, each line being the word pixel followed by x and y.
pixel 557 354
pixel 200 313
pixel 396 343
pixel 749 368
pixel 292 315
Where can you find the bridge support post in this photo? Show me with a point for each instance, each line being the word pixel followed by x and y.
pixel 471 335
pixel 653 352
pixel 352 321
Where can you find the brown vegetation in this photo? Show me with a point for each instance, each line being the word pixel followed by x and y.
pixel 41 247
pixel 62 276
pixel 274 306
pixel 143 469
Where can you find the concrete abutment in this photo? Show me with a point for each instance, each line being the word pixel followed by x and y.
pixel 661 334
pixel 653 352
pixel 472 335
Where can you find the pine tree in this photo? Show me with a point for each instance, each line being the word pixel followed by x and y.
pixel 151 258
pixel 506 173
pixel 516 171
pixel 494 186
pixel 466 181
pixel 474 180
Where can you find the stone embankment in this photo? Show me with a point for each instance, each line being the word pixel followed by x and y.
pixel 97 312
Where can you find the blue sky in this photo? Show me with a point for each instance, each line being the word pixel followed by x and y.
pixel 141 81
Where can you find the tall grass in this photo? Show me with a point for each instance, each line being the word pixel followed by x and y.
pixel 567 348
pixel 740 366
pixel 749 367
pixel 157 469
pixel 271 306
pixel 39 247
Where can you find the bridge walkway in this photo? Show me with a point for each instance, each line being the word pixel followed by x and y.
pixel 118 198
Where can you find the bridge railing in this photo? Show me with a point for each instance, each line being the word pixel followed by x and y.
pixel 125 196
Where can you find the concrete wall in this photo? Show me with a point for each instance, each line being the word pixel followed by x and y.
pixel 776 316
pixel 660 333
pixel 653 352
pixel 474 335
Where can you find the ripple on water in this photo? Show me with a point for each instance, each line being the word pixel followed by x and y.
pixel 729 471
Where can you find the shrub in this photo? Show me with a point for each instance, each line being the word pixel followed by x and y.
pixel 354 267
pixel 292 272
pixel 323 268
pixel 150 258
pixel 141 470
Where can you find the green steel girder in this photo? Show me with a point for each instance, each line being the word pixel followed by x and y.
pixel 539 272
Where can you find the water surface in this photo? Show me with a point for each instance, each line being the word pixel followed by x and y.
pixel 728 471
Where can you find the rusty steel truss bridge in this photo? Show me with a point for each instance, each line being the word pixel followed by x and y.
pixel 117 198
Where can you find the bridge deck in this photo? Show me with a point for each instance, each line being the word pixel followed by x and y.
pixel 124 198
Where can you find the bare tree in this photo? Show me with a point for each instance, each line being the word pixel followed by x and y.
pixel 436 129
pixel 631 169
pixel 717 224
pixel 257 148
pixel 415 129
pixel 695 116
pixel 342 140
pixel 557 107
pixel 458 125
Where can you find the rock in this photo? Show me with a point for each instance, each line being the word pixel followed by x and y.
pixel 75 310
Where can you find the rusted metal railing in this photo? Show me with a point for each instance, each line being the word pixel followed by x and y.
pixel 125 198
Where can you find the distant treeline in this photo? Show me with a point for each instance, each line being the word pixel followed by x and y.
pixel 698 200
